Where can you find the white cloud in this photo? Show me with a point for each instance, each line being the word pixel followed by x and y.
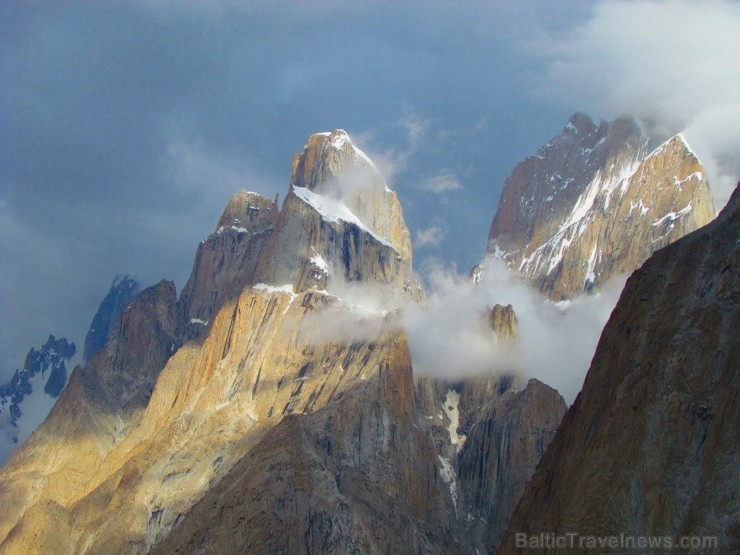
pixel 429 237
pixel 195 167
pixel 416 128
pixel 672 63
pixel 446 180
pixel 393 161
pixel 450 338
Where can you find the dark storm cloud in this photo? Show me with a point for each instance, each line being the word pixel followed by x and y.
pixel 125 127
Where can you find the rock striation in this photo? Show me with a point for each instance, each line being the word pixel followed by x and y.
pixel 650 447
pixel 489 434
pixel 596 202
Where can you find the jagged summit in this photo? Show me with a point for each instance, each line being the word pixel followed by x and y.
pixel 580 123
pixel 29 395
pixel 331 165
pixel 331 154
pixel 339 222
pixel 595 202
pixel 122 291
pixel 243 211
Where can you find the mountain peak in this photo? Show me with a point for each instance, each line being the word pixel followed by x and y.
pixel 330 155
pixel 567 215
pixel 580 123
pixel 243 210
pixel 122 291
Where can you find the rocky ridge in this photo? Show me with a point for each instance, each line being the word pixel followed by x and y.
pixel 594 203
pixel 29 395
pixel 122 291
pixel 168 427
pixel 666 370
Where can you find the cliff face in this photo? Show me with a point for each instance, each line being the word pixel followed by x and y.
pixel 594 203
pixel 226 260
pixel 339 222
pixel 489 434
pixel 665 371
pixel 122 291
pixel 356 476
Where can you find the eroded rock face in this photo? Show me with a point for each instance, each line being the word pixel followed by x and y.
pixel 340 223
pixel 651 445
pixel 226 260
pixel 355 476
pixel 594 203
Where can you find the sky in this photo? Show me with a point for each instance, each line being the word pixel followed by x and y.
pixel 126 126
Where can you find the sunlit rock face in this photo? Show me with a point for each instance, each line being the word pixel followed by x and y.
pixel 651 444
pixel 594 203
pixel 339 223
pixel 226 260
pixel 185 390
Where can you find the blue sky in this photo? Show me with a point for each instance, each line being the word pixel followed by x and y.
pixel 125 126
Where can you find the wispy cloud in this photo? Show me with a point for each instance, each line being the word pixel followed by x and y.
pixel 449 337
pixel 394 161
pixel 446 180
pixel 429 237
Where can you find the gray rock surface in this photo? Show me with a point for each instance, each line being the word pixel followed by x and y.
pixel 652 443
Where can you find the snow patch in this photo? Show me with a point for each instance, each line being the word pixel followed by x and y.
pixel 333 210
pixel 590 275
pixel 198 321
pixel 287 288
pixel 319 261
pixel 447 473
pixel 450 406
pixel 673 216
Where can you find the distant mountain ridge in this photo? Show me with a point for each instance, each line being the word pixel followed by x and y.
pixel 29 395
